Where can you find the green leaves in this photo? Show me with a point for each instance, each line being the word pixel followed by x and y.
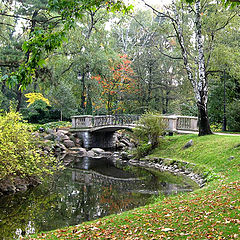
pixel 19 154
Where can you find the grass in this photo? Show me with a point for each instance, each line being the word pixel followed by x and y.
pixel 208 213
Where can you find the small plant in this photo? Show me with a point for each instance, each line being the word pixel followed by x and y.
pixel 142 150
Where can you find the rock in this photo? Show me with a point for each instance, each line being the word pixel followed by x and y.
pixel 120 145
pixel 49 131
pixel 65 137
pixel 64 132
pixel 231 158
pixel 49 137
pixel 98 150
pixel 78 150
pixel 107 154
pixel 90 154
pixel 188 144
pixel 68 143
pixel 22 187
pixel 126 142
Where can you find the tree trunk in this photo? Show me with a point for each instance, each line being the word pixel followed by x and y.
pixel 203 122
pixel 83 95
pixel 19 98
pixel 198 80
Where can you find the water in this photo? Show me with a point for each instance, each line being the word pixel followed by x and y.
pixel 88 189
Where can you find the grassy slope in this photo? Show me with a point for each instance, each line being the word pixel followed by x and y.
pixel 209 213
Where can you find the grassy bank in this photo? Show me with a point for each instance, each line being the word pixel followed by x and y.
pixel 208 213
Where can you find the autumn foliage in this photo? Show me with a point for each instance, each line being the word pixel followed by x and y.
pixel 118 83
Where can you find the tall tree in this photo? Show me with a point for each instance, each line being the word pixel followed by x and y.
pixel 194 47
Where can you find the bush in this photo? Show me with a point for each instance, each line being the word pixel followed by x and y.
pixel 19 154
pixel 142 150
pixel 150 128
pixel 40 112
pixel 148 131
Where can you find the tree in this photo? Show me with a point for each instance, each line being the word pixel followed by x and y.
pixel 156 76
pixel 196 61
pixel 44 40
pixel 117 83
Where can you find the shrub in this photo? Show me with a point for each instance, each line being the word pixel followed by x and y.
pixel 148 131
pixel 149 128
pixel 19 154
pixel 142 150
pixel 40 112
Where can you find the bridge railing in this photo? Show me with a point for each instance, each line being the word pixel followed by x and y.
pixel 105 120
pixel 177 123
pixel 174 123
pixel 88 121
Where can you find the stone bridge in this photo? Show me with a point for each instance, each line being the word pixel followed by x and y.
pixel 98 131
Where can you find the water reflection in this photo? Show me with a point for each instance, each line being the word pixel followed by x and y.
pixel 86 190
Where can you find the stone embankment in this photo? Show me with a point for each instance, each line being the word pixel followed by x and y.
pixel 173 166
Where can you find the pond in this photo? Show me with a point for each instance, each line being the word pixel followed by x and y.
pixel 89 188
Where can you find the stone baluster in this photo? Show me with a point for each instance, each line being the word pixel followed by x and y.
pixel 83 121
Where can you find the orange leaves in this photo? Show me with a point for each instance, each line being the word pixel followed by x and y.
pixel 118 83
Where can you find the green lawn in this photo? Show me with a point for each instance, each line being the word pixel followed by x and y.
pixel 209 213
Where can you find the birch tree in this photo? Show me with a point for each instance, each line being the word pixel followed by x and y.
pixel 196 49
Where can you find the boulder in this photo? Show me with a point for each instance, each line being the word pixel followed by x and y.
pixel 120 145
pixel 78 150
pixel 98 150
pixel 64 132
pixel 126 142
pixel 68 143
pixel 49 137
pixel 90 154
pixel 188 144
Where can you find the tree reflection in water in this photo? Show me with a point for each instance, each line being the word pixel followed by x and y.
pixel 87 190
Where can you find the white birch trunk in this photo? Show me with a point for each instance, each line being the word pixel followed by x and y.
pixel 199 82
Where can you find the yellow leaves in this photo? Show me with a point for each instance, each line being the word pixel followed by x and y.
pixel 32 97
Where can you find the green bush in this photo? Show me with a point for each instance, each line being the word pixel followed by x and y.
pixel 40 112
pixel 149 129
pixel 142 150
pixel 19 154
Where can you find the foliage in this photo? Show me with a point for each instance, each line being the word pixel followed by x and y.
pixel 32 97
pixel 19 154
pixel 46 39
pixel 142 150
pixel 116 84
pixel 149 129
pixel 37 112
pixel 233 116
pixel 50 125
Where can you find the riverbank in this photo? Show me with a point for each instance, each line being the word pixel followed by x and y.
pixel 211 212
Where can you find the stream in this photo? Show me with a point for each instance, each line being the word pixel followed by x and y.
pixel 89 188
